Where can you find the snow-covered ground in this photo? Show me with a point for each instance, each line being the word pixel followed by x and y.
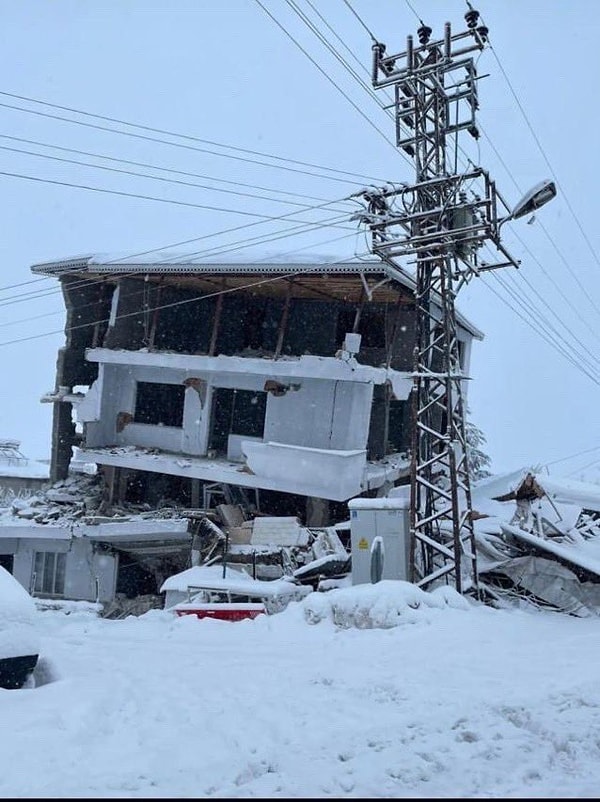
pixel 441 698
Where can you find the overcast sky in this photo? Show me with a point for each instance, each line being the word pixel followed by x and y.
pixel 229 75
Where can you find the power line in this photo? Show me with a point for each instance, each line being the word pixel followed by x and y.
pixel 300 229
pixel 413 11
pixel 582 468
pixel 333 50
pixel 157 167
pixel 585 354
pixel 582 345
pixel 545 155
pixel 285 217
pixel 562 257
pixel 142 197
pixel 151 177
pixel 528 319
pixel 180 243
pixel 338 37
pixel 544 229
pixel 180 144
pixel 545 327
pixel 594 331
pixel 571 456
pixel 227 248
pixel 586 350
pixel 331 81
pixel 323 39
pixel 360 20
pixel 592 363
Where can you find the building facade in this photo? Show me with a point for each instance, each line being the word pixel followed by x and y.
pixel 287 384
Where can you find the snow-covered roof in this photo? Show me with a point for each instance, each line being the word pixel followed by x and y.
pixel 235 581
pixel 174 262
pixel 29 469
pixel 200 574
pixel 14 464
pixel 573 555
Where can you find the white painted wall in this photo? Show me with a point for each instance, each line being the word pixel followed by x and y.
pixel 82 567
pixel 322 413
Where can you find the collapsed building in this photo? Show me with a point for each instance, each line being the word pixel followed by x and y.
pixel 283 387
pixel 538 541
pixel 250 401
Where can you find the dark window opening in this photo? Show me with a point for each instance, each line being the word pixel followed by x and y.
pixel 345 322
pixel 236 412
pixel 377 425
pixel 375 326
pixel 134 579
pixel 389 428
pixel 156 490
pixel 7 562
pixel 399 426
pixel 252 324
pixel 159 404
pixel 372 326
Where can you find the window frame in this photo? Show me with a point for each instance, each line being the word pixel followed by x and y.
pixel 49 573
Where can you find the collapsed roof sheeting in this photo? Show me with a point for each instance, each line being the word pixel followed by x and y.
pixel 538 540
pixel 553 584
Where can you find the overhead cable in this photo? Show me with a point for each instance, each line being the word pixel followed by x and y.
pixel 351 179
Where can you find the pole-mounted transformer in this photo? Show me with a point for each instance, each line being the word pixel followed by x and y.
pixel 438 224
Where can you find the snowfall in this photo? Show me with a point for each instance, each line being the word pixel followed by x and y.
pixel 377 690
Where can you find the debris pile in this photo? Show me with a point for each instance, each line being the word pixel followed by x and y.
pixel 80 499
pixel 537 538
pixel 538 541
pixel 268 548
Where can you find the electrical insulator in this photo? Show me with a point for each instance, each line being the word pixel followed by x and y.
pixel 471 17
pixel 424 33
pixel 483 32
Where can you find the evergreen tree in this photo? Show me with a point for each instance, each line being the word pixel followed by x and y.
pixel 478 461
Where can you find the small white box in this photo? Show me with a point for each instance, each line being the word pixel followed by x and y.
pixel 352 342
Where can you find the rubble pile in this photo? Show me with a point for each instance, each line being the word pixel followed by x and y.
pixel 80 499
pixel 268 548
pixel 537 538
pixel 538 541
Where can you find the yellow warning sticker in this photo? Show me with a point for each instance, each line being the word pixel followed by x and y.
pixel 363 543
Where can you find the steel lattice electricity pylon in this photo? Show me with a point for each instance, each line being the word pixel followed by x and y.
pixel 441 222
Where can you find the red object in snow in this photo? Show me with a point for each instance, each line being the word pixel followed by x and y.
pixel 228 611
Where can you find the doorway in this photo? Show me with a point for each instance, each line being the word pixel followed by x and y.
pixel 236 412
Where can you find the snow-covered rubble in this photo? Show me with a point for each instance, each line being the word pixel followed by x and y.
pixel 538 538
pixel 76 499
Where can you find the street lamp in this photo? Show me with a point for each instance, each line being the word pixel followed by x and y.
pixel 537 197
